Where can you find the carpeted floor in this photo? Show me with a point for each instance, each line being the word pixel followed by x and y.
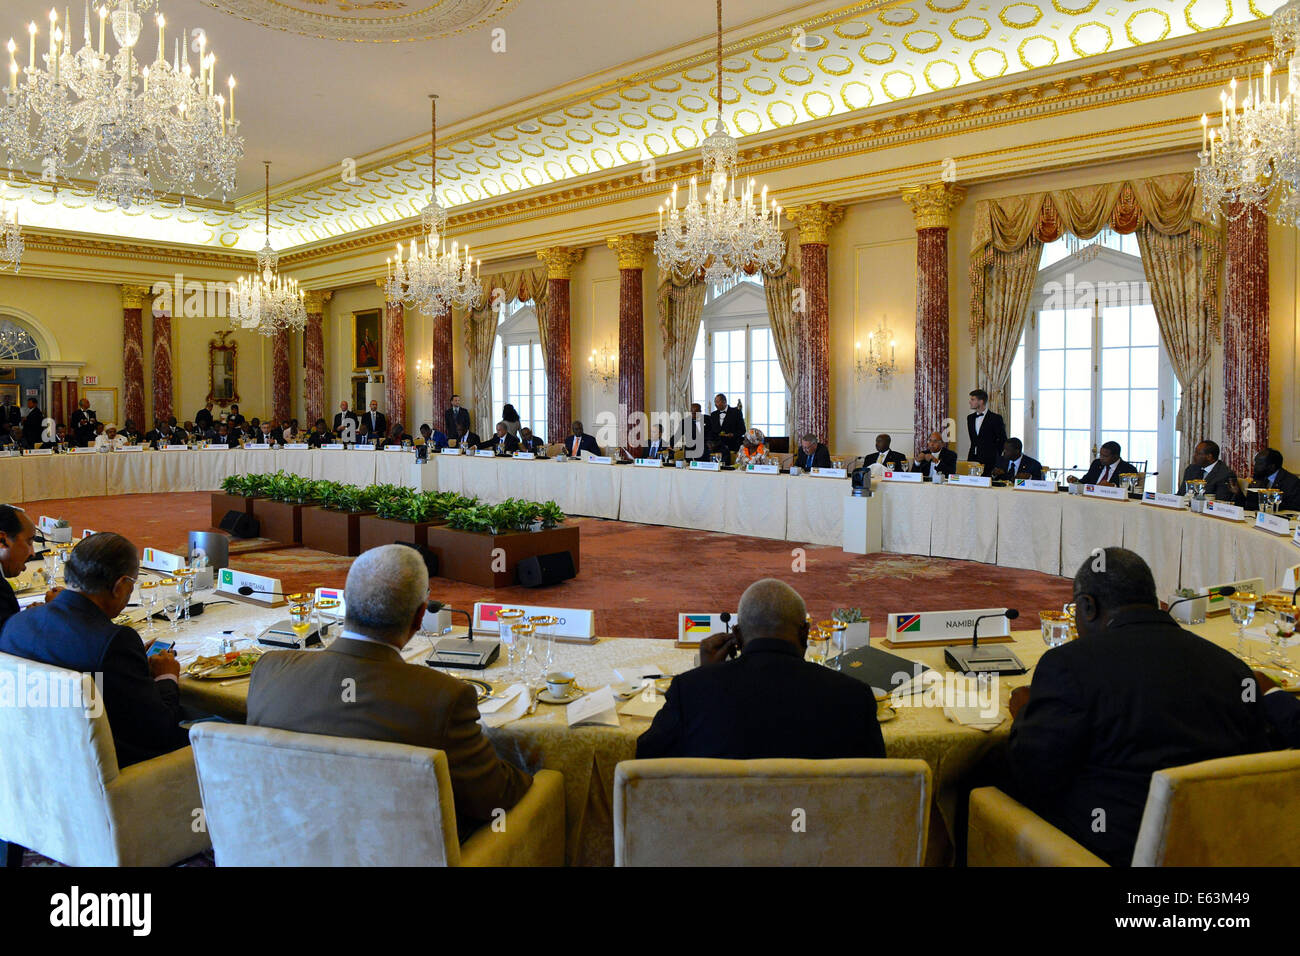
pixel 637 578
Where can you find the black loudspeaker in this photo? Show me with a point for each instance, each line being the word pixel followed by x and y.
pixel 545 569
pixel 241 525
pixel 430 559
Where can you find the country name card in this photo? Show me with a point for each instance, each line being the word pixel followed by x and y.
pixel 396 448
pixel 1273 524
pixel 39 451
pixel 215 448
pixel 485 453
pixel 1221 509
pixel 17 453
pixel 971 481
pixel 333 446
pixel 1109 492
pixel 132 448
pixel 257 446
pixel 1218 603
pixel 648 463
pixel 1034 484
pixel 1292 576
pixel 176 448
pixel 706 466
pixel 88 450
pixel 693 628
pixel 1162 500
pixel 157 560
pixel 296 445
pixel 574 625
pixel 915 477
pixel 525 455
pixel 335 594
pixel 599 460
pixel 828 472
pixel 265 590
pixel 1295 539
pixel 50 528
pixel 449 451
pixel 764 469
pixel 362 446
pixel 87 532
pixel 944 627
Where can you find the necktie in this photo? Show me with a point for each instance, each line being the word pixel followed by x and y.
pixel 1106 474
pixel 576 442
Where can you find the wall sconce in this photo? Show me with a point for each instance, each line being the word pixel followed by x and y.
pixel 877 359
pixel 424 373
pixel 602 367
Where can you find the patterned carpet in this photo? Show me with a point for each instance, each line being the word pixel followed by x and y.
pixel 637 578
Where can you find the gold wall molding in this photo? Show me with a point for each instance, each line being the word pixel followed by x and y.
pixel 314 300
pixel 560 260
pixel 815 219
pixel 134 296
pixel 933 203
pixel 632 249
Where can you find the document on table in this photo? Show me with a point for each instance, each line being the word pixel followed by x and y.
pixel 643 705
pixel 511 705
pixel 598 707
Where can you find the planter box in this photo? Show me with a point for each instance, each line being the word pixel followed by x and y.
pixel 222 502
pixel 376 531
pixel 468 555
pixel 281 520
pixel 335 532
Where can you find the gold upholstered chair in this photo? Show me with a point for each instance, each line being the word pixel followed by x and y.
pixel 700 812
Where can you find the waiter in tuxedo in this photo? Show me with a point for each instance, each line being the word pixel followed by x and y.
pixel 886 456
pixel 1267 472
pixel 693 435
pixel 580 441
pixel 987 431
pixel 203 418
pixel 725 425
pixel 32 419
pixel 1016 464
pixel 456 418
pixel 812 454
pixel 936 457
pixel 1220 480
pixel 1106 468
pixel 378 420
pixel 343 415
pixel 83 423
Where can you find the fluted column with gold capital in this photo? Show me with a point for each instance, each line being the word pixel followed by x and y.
pixel 560 261
pixel 442 365
pixel 313 355
pixel 281 399
pixel 932 205
pixel 1245 340
pixel 632 250
pixel 812 403
pixel 133 299
pixel 394 359
pixel 162 365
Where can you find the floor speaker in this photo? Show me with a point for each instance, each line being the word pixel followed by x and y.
pixel 240 525
pixel 545 569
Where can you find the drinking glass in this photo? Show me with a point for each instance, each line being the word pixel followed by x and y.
pixel 976 469
pixel 1057 626
pixel 544 641
pixel 522 635
pixel 839 632
pixel 818 643
pixel 149 598
pixel 172 608
pixel 185 590
pixel 507 618
pixel 300 620
pixel 716 457
pixel 325 607
pixel 1243 605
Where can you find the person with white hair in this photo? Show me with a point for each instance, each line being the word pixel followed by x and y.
pixel 110 439
pixel 361 687
pixel 755 696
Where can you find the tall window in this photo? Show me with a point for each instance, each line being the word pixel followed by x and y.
pixel 518 373
pixel 735 355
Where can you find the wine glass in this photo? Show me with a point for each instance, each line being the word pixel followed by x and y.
pixel 544 640
pixel 507 618
pixel 819 640
pixel 325 607
pixel 1056 627
pixel 149 598
pixel 185 590
pixel 172 608
pixel 522 635
pixel 300 620
pixel 1242 605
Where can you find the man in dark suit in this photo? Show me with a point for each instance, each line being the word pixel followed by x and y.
pixel 82 422
pixel 1219 478
pixel 1106 711
pixel 1106 467
pixel 17 537
pixel 32 419
pixel 344 415
pixel 725 425
pixel 377 419
pixel 658 443
pixel 160 435
pixel 391 700
pixel 203 418
pixel 1014 463
pixel 467 439
pixel 10 412
pixel 234 419
pixel 580 441
pixel 936 457
pixel 1282 710
pixel 319 435
pixel 221 436
pixel 1266 472
pixel 456 418
pixel 986 430
pixel 503 443
pixel 768 701
pixel 811 454
pixel 528 441
pixel 76 630
pixel 885 455
pixel 694 435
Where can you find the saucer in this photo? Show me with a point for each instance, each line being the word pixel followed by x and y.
pixel 885 714
pixel 546 697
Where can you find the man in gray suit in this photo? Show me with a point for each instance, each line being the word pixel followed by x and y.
pixel 1220 480
pixel 361 687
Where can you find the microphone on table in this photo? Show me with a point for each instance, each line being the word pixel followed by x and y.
pixel 453 652
pixel 985 660
pixel 436 606
pixel 725 618
pixel 1226 591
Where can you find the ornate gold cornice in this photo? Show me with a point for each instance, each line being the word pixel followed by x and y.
pixel 632 249
pixel 133 296
pixel 932 204
pixel 815 219
pixel 560 260
pixel 314 300
pixel 80 244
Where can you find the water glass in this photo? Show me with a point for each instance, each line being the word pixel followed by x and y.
pixel 148 599
pixel 1242 605
pixel 1057 626
pixel 544 641
pixel 300 620
pixel 521 648
pixel 976 469
pixel 185 590
pixel 507 618
pixel 819 641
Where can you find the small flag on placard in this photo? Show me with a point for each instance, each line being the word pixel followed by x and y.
pixel 908 622
pixel 696 624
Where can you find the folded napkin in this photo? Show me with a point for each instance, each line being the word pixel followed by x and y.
pixel 975 717
pixel 513 704
pixel 638 706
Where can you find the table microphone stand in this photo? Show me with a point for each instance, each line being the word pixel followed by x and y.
pixel 985 660
pixel 464 652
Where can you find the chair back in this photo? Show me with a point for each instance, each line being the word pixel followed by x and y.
pixel 55 763
pixel 963 467
pixel 775 812
pixel 278 798
pixel 1234 811
pixel 779 444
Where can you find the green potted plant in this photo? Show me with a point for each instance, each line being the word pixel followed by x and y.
pixel 859 627
pixel 280 511
pixel 401 514
pixel 334 524
pixel 235 495
pixel 483 544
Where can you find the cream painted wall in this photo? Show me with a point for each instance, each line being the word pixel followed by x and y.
pixel 190 339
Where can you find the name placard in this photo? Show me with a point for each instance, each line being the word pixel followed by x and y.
pixel 599 460
pixel 297 445
pixel 256 446
pixel 1161 500
pixel 51 530
pixel 130 448
pixel 573 623
pixel 17 453
pixel 448 451
pixel 363 446
pixel 88 450
pixel 525 455
pixel 39 451
pixel 156 560
pixel 706 466
pixel 337 595
pixel 1273 524
pixel 485 453
pixel 176 448
pixel 216 448
pixel 1221 509
pixel 396 448
pixel 693 628
pixel 764 469
pixel 971 481
pixel 948 626
pixel 1034 484
pixel 828 473
pixel 1296 538
pixel 333 446
pixel 1109 492
pixel 648 463
pixel 915 477
pixel 265 590
pixel 1217 603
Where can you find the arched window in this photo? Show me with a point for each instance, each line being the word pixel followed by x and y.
pixel 518 373
pixel 16 342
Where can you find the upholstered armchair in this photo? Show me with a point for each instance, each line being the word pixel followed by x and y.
pixel 1004 832
pixel 62 793
pixel 277 798
pixel 698 812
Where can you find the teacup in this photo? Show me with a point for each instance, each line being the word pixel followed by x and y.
pixel 559 683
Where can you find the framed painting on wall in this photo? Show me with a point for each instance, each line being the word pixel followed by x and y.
pixel 104 401
pixel 367 341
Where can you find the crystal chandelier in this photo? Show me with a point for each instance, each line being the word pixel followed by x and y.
pixel 266 302
pixel 1253 157
pixel 721 236
pixel 12 245
pixel 433 278
pixel 127 124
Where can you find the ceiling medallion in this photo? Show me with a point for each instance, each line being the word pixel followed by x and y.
pixel 365 21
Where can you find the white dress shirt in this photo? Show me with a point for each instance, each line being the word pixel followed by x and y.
pixel 979 421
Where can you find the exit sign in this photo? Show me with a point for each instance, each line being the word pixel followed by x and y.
pixel 90 380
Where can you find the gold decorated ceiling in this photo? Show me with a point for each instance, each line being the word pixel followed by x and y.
pixel 859 56
pixel 367 21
